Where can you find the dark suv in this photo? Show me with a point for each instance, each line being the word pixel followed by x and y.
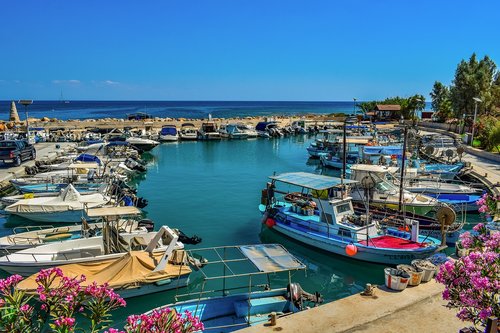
pixel 16 151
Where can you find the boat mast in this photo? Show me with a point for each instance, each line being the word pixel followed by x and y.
pixel 401 180
pixel 344 158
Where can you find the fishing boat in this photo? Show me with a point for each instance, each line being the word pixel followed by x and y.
pixel 321 215
pixel 238 300
pixel 188 132
pixel 110 245
pixel 135 273
pixel 168 133
pixel 68 207
pixel 208 131
pixel 374 187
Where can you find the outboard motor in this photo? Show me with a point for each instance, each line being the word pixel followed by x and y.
pixel 142 202
pixel 188 240
pixel 146 223
pixel 297 296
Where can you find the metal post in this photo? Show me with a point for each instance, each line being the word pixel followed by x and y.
pixel 26 102
pixel 401 181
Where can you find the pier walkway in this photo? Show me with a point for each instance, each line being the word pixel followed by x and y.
pixel 416 309
pixel 44 151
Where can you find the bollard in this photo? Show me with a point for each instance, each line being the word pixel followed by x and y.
pixel 273 319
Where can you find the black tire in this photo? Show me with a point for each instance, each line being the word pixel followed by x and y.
pixel 33 154
pixel 17 160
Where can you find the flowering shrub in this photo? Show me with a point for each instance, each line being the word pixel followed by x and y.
pixel 162 320
pixel 59 298
pixel 472 282
pixel 487 205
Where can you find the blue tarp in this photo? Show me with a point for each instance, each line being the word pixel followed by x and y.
pixel 168 131
pixel 88 158
pixel 262 126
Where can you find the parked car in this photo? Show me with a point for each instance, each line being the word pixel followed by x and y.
pixel 16 151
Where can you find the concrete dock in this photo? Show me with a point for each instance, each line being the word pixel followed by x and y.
pixel 416 309
pixel 44 151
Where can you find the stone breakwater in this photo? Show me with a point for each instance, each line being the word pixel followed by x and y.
pixel 157 123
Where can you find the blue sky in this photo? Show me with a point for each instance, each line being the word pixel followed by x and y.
pixel 238 50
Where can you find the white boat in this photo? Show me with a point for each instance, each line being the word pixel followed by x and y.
pixel 235 133
pixel 188 132
pixel 31 236
pixel 223 131
pixel 374 187
pixel 249 130
pixel 208 131
pixel 322 216
pixel 241 302
pixel 68 207
pixel 111 245
pixel 141 143
pixel 135 273
pixel 168 133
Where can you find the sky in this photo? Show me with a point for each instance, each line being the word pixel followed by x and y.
pixel 254 50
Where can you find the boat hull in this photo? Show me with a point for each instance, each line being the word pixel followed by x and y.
pixel 71 216
pixel 376 255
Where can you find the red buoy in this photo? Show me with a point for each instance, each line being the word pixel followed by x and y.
pixel 270 222
pixel 351 250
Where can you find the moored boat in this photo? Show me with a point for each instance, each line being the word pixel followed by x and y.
pixel 322 216
pixel 242 304
pixel 110 245
pixel 168 133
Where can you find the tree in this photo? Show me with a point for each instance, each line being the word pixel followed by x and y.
pixel 441 103
pixel 474 78
pixel 366 107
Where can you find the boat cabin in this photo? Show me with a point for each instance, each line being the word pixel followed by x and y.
pixel 322 206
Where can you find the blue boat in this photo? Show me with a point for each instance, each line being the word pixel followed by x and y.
pixel 321 216
pixel 466 202
pixel 240 301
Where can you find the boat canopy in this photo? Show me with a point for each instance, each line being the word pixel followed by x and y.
pixel 168 130
pixel 310 180
pixel 113 211
pixel 245 260
pixel 263 125
pixel 383 150
pixel 132 269
pixel 88 158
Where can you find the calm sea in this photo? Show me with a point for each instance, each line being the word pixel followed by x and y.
pixel 174 109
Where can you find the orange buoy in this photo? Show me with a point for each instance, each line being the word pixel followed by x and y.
pixel 351 250
pixel 270 222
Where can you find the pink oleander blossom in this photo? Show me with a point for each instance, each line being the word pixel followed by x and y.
pixel 472 282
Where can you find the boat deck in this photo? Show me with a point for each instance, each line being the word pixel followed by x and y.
pixel 390 242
